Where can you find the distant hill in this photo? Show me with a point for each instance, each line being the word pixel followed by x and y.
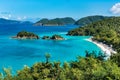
pixel 6 21
pixel 55 22
pixel 89 19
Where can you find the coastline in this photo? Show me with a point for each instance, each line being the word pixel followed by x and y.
pixel 105 48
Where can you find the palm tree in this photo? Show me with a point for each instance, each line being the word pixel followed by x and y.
pixel 47 56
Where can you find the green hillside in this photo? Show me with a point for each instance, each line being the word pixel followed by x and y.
pixel 89 19
pixel 107 31
pixel 55 22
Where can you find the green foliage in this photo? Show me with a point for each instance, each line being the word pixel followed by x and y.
pixel 27 34
pixel 1 76
pixel 57 37
pixel 47 56
pixel 53 37
pixel 106 31
pixel 7 74
pixel 43 21
pixel 56 21
pixel 116 58
pixel 101 56
pixel 46 37
pixel 90 19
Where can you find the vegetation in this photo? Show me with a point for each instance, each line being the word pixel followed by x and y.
pixel 57 37
pixel 46 37
pixel 55 22
pixel 47 56
pixel 89 19
pixel 90 67
pixel 28 35
pixel 106 31
pixel 68 20
pixel 54 37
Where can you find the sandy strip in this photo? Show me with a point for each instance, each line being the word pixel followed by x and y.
pixel 105 48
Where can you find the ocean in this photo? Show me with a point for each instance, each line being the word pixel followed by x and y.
pixel 16 53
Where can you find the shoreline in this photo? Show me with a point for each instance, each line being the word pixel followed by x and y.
pixel 105 48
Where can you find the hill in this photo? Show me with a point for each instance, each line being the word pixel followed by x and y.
pixel 89 19
pixel 106 31
pixel 7 22
pixel 55 22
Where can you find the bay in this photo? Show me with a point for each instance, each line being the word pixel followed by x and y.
pixel 16 53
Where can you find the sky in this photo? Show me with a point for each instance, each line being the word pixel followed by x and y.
pixel 35 9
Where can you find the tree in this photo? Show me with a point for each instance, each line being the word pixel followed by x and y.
pixel 47 56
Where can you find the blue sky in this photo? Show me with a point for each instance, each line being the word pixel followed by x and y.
pixel 23 9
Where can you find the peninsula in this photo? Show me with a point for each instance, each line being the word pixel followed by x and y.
pixel 105 32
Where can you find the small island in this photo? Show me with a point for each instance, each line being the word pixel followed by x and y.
pixel 54 37
pixel 46 37
pixel 26 35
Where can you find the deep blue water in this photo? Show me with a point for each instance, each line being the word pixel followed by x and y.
pixel 17 53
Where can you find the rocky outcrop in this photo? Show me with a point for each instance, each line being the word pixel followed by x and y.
pixel 46 37
pixel 54 37
pixel 57 37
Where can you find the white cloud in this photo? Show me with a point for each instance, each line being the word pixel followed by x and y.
pixel 6 16
pixel 24 17
pixel 9 15
pixel 19 18
pixel 115 8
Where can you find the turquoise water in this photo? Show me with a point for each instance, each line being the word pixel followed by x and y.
pixel 16 53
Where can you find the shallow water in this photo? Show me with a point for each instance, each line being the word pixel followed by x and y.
pixel 17 53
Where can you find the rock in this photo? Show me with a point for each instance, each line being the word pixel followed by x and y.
pixel 57 37
pixel 46 37
pixel 54 37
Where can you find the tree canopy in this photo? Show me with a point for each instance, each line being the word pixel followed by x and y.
pixel 106 31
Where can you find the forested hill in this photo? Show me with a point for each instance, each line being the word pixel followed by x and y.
pixel 89 19
pixel 107 31
pixel 68 20
pixel 55 22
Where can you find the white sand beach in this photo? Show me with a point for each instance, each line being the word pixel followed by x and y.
pixel 105 48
